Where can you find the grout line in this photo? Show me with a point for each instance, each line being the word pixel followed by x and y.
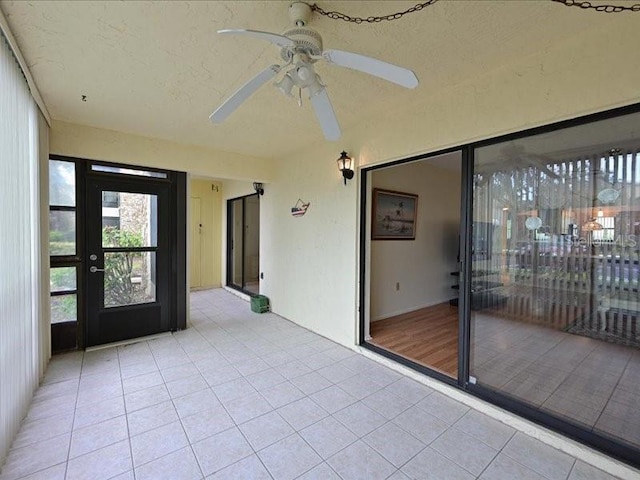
pixel 126 416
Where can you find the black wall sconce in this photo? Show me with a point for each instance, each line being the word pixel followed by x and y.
pixel 257 186
pixel 345 165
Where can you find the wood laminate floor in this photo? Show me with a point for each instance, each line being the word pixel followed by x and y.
pixel 428 336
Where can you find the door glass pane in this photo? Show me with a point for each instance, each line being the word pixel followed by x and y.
pixel 64 308
pixel 237 242
pixel 129 219
pixel 556 273
pixel 128 171
pixel 62 279
pixel 62 183
pixel 62 232
pixel 129 278
pixel 252 243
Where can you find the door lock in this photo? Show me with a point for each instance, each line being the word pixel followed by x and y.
pixel 94 269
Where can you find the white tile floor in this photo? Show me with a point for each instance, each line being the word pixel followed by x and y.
pixel 589 381
pixel 247 396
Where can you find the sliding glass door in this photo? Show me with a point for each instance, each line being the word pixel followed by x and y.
pixel 555 274
pixel 243 243
pixel 548 312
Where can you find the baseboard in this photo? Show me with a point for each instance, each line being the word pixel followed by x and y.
pixel 408 310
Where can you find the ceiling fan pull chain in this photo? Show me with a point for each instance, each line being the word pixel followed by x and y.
pixel 393 16
pixel 600 8
pixel 420 6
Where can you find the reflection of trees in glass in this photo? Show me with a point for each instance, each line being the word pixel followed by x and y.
pixel 119 289
pixel 62 183
pixel 62 278
pixel 64 308
pixel 62 233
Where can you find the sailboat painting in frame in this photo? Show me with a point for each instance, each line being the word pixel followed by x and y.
pixel 393 215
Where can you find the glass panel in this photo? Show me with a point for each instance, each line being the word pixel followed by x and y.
pixel 129 278
pixel 64 308
pixel 133 222
pixel 555 290
pixel 62 279
pixel 62 183
pixel 252 244
pixel 128 171
pixel 237 227
pixel 62 232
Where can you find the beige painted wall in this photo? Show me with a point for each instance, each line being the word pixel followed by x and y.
pixel 311 268
pixel 108 145
pixel 209 194
pixel 421 267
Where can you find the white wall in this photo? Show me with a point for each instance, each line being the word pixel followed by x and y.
pixel 108 145
pixel 311 262
pixel 422 267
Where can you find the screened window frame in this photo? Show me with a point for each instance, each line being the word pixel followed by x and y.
pixel 75 260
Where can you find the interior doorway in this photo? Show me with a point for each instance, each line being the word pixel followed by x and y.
pixel 195 249
pixel 243 244
pixel 414 224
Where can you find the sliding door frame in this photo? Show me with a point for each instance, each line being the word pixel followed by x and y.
pixel 363 274
pixel 464 381
pixel 230 243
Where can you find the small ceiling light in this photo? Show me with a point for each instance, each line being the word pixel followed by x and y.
pixel 345 165
pixel 591 225
pixel 257 186
pixel 285 85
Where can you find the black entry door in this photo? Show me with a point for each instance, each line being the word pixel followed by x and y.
pixel 128 259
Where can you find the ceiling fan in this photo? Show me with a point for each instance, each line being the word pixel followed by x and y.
pixel 300 48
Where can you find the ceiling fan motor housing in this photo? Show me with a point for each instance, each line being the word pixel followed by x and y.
pixel 307 41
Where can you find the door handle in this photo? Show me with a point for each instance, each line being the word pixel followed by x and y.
pixel 94 269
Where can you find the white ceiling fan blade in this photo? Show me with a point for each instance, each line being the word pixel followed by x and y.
pixel 325 115
pixel 392 73
pixel 244 92
pixel 279 40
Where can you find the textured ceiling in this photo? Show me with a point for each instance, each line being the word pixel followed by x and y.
pixel 159 69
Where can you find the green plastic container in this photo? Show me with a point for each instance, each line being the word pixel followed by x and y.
pixel 259 304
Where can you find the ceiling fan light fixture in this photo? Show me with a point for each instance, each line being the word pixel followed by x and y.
pixel 305 73
pixel 285 85
pixel 315 88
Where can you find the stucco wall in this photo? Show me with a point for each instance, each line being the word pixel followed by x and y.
pixel 108 145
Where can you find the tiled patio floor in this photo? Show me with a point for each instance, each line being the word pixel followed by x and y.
pixel 241 395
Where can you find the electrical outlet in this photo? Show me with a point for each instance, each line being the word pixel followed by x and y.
pixel 397 286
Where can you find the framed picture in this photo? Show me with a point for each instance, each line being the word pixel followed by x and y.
pixel 393 215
